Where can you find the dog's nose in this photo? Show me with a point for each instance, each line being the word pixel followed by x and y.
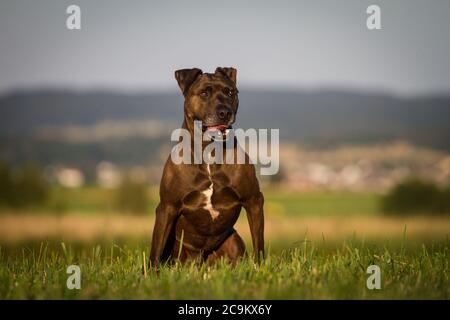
pixel 224 113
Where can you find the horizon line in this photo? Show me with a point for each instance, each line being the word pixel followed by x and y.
pixel 122 90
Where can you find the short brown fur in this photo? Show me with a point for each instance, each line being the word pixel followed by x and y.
pixel 180 215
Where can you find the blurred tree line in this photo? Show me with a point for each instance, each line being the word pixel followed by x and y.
pixel 417 196
pixel 27 187
pixel 22 187
pixel 132 196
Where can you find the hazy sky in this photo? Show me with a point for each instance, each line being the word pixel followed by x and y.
pixel 137 45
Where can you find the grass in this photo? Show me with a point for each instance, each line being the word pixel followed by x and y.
pixel 96 200
pixel 87 228
pixel 90 199
pixel 322 203
pixel 319 247
pixel 310 270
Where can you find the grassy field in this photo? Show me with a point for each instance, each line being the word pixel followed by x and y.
pixel 278 202
pixel 309 271
pixel 319 246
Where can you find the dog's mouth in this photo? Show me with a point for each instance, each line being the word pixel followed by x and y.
pixel 220 127
pixel 217 132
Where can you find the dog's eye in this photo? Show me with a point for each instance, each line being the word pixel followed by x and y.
pixel 204 94
pixel 229 92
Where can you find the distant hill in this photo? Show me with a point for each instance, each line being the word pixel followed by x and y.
pixel 24 113
pixel 314 118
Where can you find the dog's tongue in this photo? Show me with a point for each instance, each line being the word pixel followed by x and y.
pixel 220 127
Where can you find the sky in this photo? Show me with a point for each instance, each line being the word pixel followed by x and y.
pixel 137 45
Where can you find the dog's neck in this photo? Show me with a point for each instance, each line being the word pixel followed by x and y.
pixel 185 125
pixel 188 124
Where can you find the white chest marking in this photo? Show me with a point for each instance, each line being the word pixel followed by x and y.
pixel 208 194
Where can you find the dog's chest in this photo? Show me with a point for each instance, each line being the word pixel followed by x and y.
pixel 208 193
pixel 212 197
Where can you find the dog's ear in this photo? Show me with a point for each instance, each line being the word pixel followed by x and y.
pixel 186 78
pixel 228 72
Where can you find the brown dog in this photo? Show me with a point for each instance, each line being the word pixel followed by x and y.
pixel 200 203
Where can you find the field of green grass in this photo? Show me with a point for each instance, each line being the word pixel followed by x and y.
pixel 318 246
pixel 309 271
pixel 97 200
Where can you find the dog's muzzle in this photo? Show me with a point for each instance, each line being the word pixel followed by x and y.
pixel 218 132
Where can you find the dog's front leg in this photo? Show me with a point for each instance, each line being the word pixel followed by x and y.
pixel 255 215
pixel 165 217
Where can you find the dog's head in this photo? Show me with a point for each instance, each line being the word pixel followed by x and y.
pixel 211 98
